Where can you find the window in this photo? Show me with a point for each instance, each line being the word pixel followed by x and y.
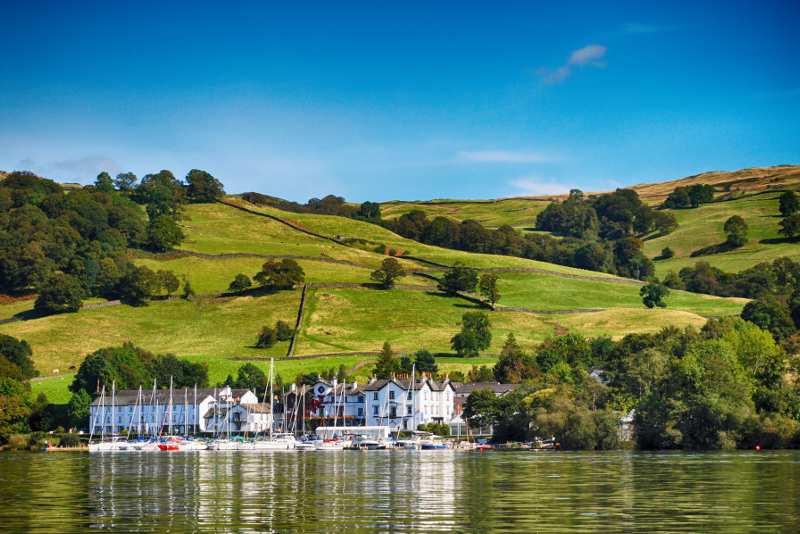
pixel 448 396
pixel 425 395
pixel 408 410
pixel 391 395
pixel 393 412
pixel 409 395
pixel 375 396
pixel 375 410
pixel 361 398
pixel 361 412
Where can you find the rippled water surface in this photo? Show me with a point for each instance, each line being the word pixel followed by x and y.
pixel 401 491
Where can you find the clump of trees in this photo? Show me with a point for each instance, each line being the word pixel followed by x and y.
pixel 329 205
pixel 277 275
pixel 693 196
pixel 654 295
pixel 268 336
pixel 789 207
pixel 737 229
pixel 726 385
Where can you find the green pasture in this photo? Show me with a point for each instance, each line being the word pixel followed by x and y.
pixel 547 292
pixel 332 226
pixel 210 276
pixel 514 211
pixel 703 227
pixel 214 328
pixel 349 320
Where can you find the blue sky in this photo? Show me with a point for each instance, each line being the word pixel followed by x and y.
pixel 403 100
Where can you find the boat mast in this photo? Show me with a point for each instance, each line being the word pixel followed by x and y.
pixel 194 411
pixel 303 433
pixel 170 405
pixel 413 399
pixel 271 400
pixel 153 413
pixel 113 404
pixel 185 412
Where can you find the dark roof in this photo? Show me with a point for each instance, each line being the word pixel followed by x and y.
pixel 599 369
pixel 127 397
pixel 261 407
pixel 467 388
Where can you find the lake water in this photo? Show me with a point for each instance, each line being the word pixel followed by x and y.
pixel 401 491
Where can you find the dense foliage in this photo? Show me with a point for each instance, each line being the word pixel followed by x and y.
pixel 727 385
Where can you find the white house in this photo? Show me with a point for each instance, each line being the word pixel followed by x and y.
pixel 177 412
pixel 238 418
pixel 403 404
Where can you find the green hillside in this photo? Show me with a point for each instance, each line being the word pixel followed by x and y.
pixel 701 228
pixel 490 213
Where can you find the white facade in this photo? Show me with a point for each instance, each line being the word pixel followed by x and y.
pixel 160 412
pixel 238 418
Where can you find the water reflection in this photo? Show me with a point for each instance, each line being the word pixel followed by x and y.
pixel 401 491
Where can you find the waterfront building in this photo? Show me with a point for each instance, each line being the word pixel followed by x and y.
pixel 153 412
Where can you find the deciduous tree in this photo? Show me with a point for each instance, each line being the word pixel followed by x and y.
pixel 390 271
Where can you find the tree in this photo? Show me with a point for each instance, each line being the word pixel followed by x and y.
pixel 163 233
pixel 488 288
pixel 284 331
pixel 425 362
pixel 370 210
pixel 78 408
pixel 480 374
pixel 386 365
pixel 266 337
pixel 701 194
pixel 667 253
pixel 125 182
pixel 203 187
pixel 459 278
pixel 773 316
pixel 790 226
pixel 514 365
pixel 60 294
pixel 138 285
pixel 168 281
pixel 737 230
pixel 282 274
pixel 665 222
pixel 250 377
pixel 188 290
pixel 483 408
pixel 390 270
pixel 108 278
pixel 104 366
pixel 788 204
pixel 654 295
pixel 104 183
pixel 240 283
pixel 475 334
pixel 18 352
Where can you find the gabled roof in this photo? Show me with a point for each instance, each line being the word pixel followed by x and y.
pixel 405 383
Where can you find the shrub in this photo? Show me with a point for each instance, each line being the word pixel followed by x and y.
pixel 284 331
pixel 266 338
pixel 70 440
pixel 667 253
pixel 17 441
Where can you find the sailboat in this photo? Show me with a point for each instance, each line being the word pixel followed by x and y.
pixel 282 441
pixel 114 443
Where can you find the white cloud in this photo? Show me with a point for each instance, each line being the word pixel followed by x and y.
pixel 535 186
pixel 504 156
pixel 588 55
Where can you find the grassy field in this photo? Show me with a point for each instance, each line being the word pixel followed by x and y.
pixel 513 211
pixel 546 292
pixel 210 276
pixel 333 226
pixel 629 320
pixel 703 227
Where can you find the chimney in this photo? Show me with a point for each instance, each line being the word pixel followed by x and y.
pixel 335 381
pixel 372 379
pixel 355 384
pixel 293 387
pixel 447 376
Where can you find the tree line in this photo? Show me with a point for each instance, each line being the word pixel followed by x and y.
pixel 726 385
pixel 68 247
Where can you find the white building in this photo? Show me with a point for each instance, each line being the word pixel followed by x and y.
pixel 177 412
pixel 238 418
